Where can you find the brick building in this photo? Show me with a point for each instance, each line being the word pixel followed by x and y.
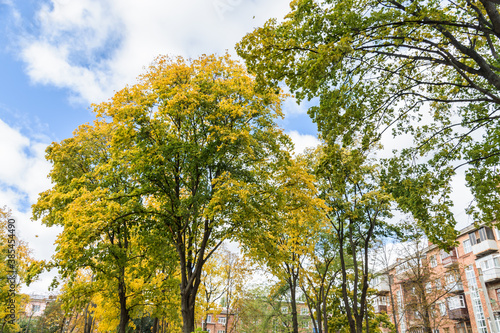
pixel 280 320
pixel 450 292
pixel 216 323
pixel 37 304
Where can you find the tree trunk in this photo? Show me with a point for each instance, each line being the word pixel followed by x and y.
pixel 293 290
pixel 155 326
pixel 393 305
pixel 124 314
pixel 187 309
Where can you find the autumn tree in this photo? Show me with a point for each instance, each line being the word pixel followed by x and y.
pixel 201 140
pixel 212 287
pixel 348 182
pixel 104 229
pixel 424 68
pixel 423 290
pixel 288 233
pixel 320 276
pixel 266 309
pixel 237 271
pixel 15 258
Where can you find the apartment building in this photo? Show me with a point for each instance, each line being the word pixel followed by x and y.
pixel 449 292
pixel 37 304
pixel 266 318
pixel 216 323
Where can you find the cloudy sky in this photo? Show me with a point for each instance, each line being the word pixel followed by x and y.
pixel 59 56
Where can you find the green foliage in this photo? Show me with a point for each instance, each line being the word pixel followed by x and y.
pixel 428 69
pixel 261 311
pixel 15 258
pixel 171 168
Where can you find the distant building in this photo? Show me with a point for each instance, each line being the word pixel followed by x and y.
pixel 37 304
pixel 216 323
pixel 465 285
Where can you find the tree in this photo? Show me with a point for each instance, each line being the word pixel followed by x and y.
pixel 288 234
pixel 15 257
pixel 422 290
pixel 265 309
pixel 201 141
pixel 237 271
pixel 105 231
pixel 426 68
pixel 349 184
pixel 319 278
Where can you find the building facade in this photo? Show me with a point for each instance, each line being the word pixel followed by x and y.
pixel 445 292
pixel 37 304
pixel 278 319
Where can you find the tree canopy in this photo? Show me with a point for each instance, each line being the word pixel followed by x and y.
pixel 425 68
pixel 172 167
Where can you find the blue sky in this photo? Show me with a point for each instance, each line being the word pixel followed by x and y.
pixel 59 56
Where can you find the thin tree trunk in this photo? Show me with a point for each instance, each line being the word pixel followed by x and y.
pixel 393 306
pixel 124 313
pixel 293 290
pixel 155 326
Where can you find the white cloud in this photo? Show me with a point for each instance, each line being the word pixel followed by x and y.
pixel 95 47
pixel 303 141
pixel 23 175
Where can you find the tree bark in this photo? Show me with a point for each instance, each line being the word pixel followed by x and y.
pixel 293 296
pixel 155 326
pixel 187 309
pixel 124 313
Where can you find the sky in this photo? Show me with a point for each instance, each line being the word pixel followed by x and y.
pixel 60 56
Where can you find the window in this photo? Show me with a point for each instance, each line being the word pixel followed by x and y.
pixel 456 302
pixel 433 261
pixel 439 286
pixel 473 239
pixel 450 279
pixel 208 330
pixel 220 331
pixel 222 320
pixel 435 331
pixel 209 318
pixel 442 309
pixel 467 247
pixel 284 309
pixel 489 262
pixel 304 311
pixel 382 300
pixel 481 235
pixel 498 294
pixel 35 308
pixel 445 255
pixel 428 287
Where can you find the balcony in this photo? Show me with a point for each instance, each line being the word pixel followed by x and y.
pixel 459 314
pixel 448 259
pixel 495 306
pixel 381 285
pixel 485 247
pixel 380 308
pixel 491 275
pixel 455 287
